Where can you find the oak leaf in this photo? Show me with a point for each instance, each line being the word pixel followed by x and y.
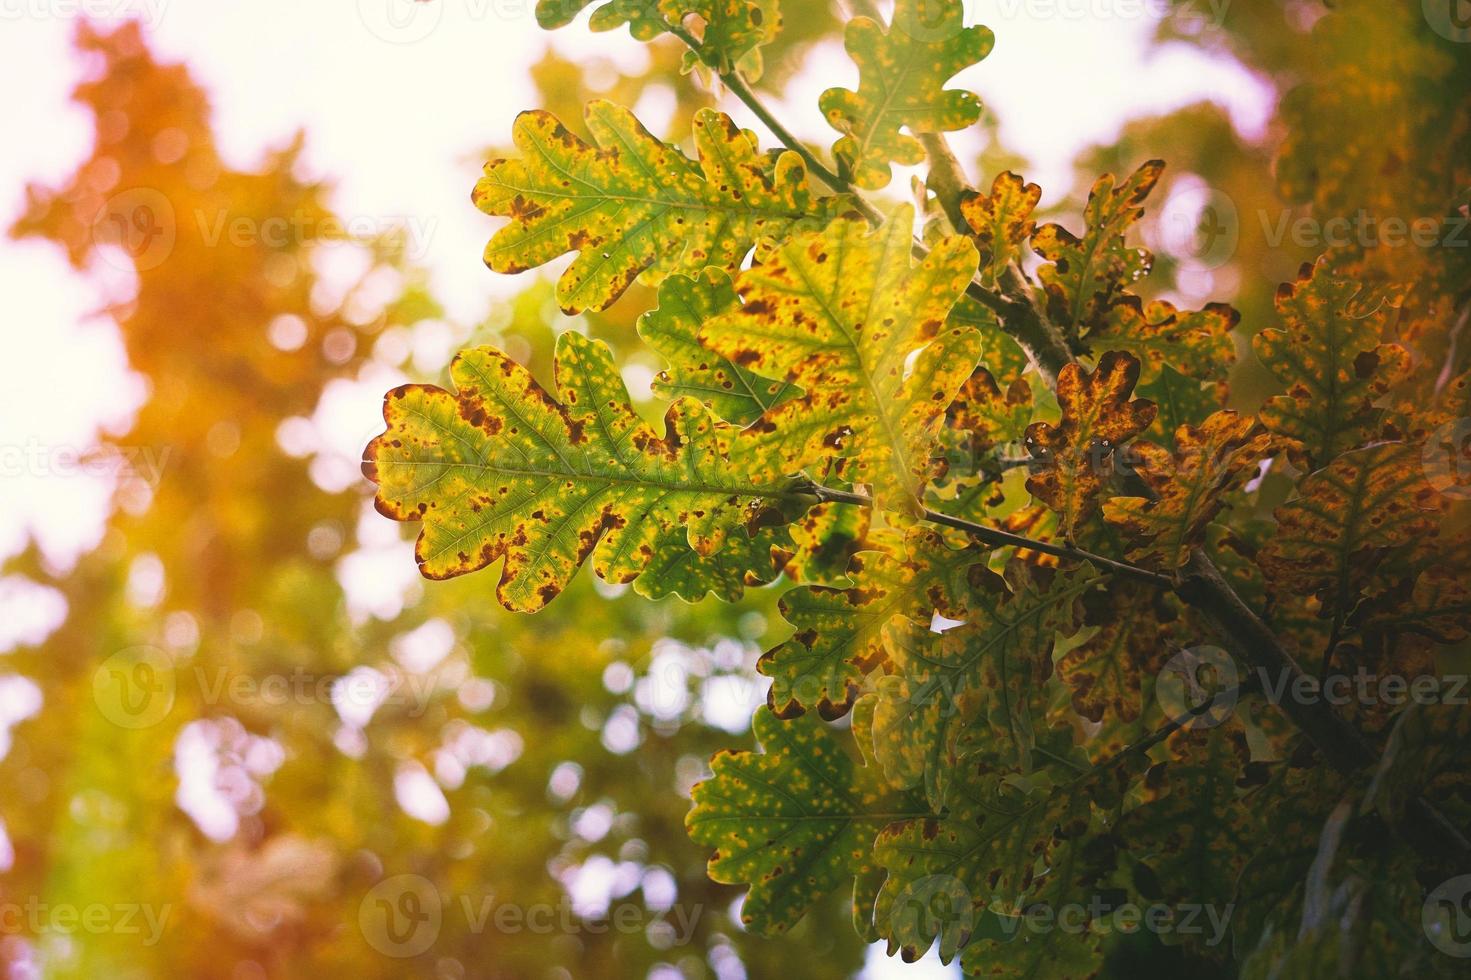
pixel 1084 277
pixel 795 821
pixel 902 73
pixel 840 313
pixel 1190 486
pixel 1328 353
pixel 500 468
pixel 633 206
pixel 1075 457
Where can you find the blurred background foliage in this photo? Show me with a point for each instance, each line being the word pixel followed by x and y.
pixel 242 726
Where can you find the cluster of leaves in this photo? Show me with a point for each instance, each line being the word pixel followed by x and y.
pixel 849 409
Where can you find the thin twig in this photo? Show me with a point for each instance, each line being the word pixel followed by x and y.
pixel 1019 318
pixel 1203 587
pixel 1004 539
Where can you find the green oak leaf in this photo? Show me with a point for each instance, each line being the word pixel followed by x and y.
pixel 500 468
pixel 1328 354
pixel 1185 832
pixel 983 682
pixel 795 821
pixel 1085 276
pixel 633 206
pixel 839 632
pixel 731 36
pixel 840 313
pixel 742 561
pixel 1000 848
pixel 902 73
pixel 685 304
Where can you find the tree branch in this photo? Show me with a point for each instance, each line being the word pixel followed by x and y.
pixel 1203 587
pixel 1018 317
pixel 1004 539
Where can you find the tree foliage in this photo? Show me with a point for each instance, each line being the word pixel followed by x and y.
pixel 1006 667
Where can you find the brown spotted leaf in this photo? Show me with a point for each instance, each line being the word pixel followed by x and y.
pixel 1197 343
pixel 984 680
pixel 673 329
pixel 1085 276
pixel 1075 457
pixel 796 821
pixel 1110 674
pixel 981 418
pixel 1000 848
pixel 1330 534
pixel 839 313
pixel 839 632
pixel 902 73
pixel 1328 354
pixel 499 468
pixel 1001 222
pixel 1190 485
pixel 1186 831
pixel 633 206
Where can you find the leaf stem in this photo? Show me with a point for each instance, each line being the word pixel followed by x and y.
pixel 1017 316
pixel 1203 587
pixel 1003 539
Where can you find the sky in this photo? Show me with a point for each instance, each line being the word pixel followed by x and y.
pixel 398 98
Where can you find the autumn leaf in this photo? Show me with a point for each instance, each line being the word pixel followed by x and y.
pixel 1001 222
pixel 980 418
pixel 1075 457
pixel 1085 276
pixel 1363 502
pixel 1190 486
pixel 633 205
pixel 824 541
pixel 838 636
pixel 839 313
pixel 902 73
pixel 1000 848
pixel 500 468
pixel 672 329
pixel 795 821
pixel 1110 673
pixel 1328 354
pixel 984 680
pixel 1196 343
pixel 1185 831
pixel 733 30
pixel 742 561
